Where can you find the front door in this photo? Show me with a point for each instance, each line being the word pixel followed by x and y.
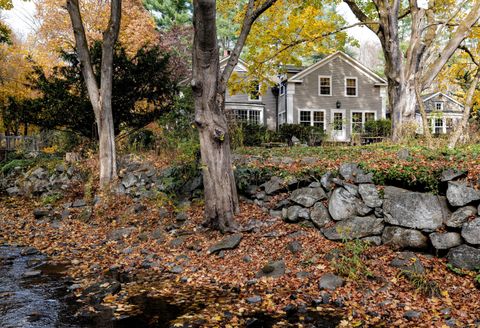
pixel 339 126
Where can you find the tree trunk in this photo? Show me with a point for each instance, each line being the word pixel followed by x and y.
pixel 421 106
pixel 221 201
pixel 100 97
pixel 460 129
pixel 106 149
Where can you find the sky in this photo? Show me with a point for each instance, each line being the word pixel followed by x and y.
pixel 21 22
pixel 20 18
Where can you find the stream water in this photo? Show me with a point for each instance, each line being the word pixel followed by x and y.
pixel 33 294
pixel 29 299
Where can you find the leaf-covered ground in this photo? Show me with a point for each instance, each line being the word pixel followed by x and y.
pixel 213 290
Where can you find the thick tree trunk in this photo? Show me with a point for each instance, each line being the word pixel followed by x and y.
pixel 221 201
pixel 106 149
pixel 462 126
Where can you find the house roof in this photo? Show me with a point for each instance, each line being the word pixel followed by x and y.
pixel 429 96
pixel 339 54
pixel 242 66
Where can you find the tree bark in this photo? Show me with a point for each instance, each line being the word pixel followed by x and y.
pixel 100 97
pixel 460 129
pixel 209 86
pixel 421 106
pixel 221 201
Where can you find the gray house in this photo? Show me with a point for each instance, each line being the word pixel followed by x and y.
pixel 337 93
pixel 443 113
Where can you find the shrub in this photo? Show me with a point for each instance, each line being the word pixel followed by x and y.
pixel 141 140
pixel 311 135
pixel 253 134
pixel 380 128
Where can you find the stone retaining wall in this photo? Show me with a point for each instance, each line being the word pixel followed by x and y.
pixel 349 206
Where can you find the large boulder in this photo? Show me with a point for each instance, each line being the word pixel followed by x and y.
pixel 460 194
pixel 445 240
pixel 307 196
pixel 326 181
pixel 349 171
pixel 451 174
pixel 356 227
pixel 400 238
pixel 460 216
pixel 293 213
pixel 277 184
pixel 413 209
pixel 319 216
pixel 343 204
pixel 370 196
pixel 471 232
pixel 464 257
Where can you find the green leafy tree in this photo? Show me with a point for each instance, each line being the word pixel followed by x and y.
pixel 143 89
pixel 170 13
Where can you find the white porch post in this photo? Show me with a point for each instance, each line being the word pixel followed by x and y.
pixel 289 109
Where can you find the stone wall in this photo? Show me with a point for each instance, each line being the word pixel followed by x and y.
pixel 349 206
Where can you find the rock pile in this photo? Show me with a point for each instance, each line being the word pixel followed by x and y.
pixel 348 205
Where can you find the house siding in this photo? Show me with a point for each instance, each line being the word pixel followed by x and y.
pixel 307 95
pixel 448 105
pixel 267 100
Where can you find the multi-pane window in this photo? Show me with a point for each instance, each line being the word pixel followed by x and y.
pixel 357 122
pixel 359 119
pixel 312 118
pixel 248 116
pixel 351 86
pixel 438 128
pixel 283 89
pixel 325 83
pixel 319 119
pixel 305 118
pixel 439 106
pixel 255 92
pixel 369 117
pixel 254 117
pixel 282 118
pixel 338 121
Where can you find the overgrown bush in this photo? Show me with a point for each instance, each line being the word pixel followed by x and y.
pixel 244 134
pixel 142 139
pixel 311 135
pixel 379 128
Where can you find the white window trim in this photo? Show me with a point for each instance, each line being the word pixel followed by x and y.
pixel 356 86
pixel 259 94
pixel 319 85
pixel 311 116
pixel 438 102
pixel 253 107
pixel 363 111
pixel 283 89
